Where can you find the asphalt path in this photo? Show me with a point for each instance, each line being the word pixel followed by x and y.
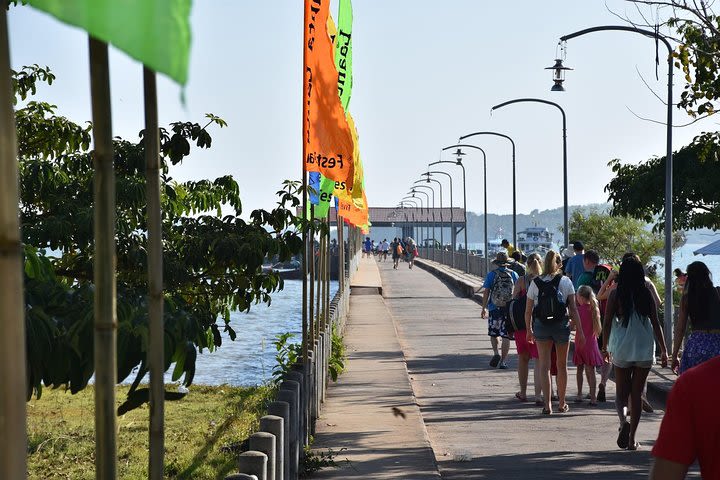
pixel 476 427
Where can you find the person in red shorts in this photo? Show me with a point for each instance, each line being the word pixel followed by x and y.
pixel 527 351
pixel 690 429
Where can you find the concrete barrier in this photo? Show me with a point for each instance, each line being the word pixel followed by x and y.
pixel 241 476
pixel 253 463
pixel 289 395
pixel 265 442
pixel 282 410
pixel 273 425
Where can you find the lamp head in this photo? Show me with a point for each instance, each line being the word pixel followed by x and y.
pixel 558 75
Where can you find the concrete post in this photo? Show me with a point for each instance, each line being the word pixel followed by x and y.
pixel 289 395
pixel 241 476
pixel 297 375
pixel 274 425
pixel 253 463
pixel 282 410
pixel 265 442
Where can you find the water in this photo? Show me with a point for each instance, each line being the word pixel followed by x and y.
pixel 249 360
pixel 684 256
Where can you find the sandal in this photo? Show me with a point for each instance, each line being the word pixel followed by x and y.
pixel 634 446
pixel 623 439
pixel 564 409
pixel 521 397
pixel 546 411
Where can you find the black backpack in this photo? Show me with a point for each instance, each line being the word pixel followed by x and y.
pixel 549 307
pixel 515 318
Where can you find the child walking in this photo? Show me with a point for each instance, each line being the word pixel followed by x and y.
pixel 587 356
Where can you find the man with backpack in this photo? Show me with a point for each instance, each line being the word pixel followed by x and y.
pixel 498 288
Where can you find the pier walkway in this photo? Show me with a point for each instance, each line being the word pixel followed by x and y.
pixel 419 400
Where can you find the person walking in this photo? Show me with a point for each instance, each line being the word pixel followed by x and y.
pixel 587 356
pixel 397 252
pixel 367 247
pixel 700 304
pixel 383 248
pixel 574 266
pixel 550 298
pixel 497 293
pixel 527 351
pixel 410 251
pixel 628 330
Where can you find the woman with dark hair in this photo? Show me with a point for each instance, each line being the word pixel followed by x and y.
pixel 701 304
pixel 630 325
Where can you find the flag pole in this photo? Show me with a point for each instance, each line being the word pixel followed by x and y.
pixel 156 342
pixel 13 361
pixel 104 265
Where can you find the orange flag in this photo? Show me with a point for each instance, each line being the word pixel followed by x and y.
pixel 327 142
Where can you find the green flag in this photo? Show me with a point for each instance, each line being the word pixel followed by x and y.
pixel 154 32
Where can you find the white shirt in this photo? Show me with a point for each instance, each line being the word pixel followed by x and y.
pixel 565 288
pixel 384 246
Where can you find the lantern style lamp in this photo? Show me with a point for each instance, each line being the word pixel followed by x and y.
pixel 459 154
pixel 558 75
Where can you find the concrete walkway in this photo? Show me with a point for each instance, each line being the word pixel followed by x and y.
pixel 475 426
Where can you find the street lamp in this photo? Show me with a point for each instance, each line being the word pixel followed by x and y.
pixel 452 221
pixel 514 188
pixel 459 154
pixel 433 211
pixel 427 210
pixel 668 162
pixel 558 75
pixel 566 232
pixel 452 236
pixel 415 202
pixel 439 184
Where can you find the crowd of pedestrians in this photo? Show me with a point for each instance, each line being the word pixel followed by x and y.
pixel 614 315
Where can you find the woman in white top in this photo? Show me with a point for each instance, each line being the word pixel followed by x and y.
pixel 550 298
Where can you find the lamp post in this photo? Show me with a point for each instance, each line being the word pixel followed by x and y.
pixel 439 184
pixel 467 259
pixel 433 211
pixel 668 160
pixel 514 188
pixel 427 209
pixel 416 203
pixel 566 233
pixel 459 154
pixel 452 222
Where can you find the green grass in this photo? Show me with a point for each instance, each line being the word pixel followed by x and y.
pixel 202 433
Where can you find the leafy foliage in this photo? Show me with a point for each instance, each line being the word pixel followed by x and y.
pixel 336 363
pixel 287 354
pixel 637 190
pixel 698 38
pixel 212 262
pixel 612 236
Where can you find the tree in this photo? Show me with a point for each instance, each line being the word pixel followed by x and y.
pixel 212 262
pixel 698 51
pixel 613 236
pixel 635 190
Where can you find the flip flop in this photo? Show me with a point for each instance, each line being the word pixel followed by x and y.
pixel 546 411
pixel 623 439
pixel 495 360
pixel 634 446
pixel 564 409
pixel 520 397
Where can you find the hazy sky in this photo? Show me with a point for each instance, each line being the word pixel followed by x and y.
pixel 426 72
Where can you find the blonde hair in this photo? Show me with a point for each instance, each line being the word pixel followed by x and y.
pixel 587 293
pixel 534 265
pixel 551 265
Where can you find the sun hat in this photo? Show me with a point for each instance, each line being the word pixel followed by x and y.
pixel 501 259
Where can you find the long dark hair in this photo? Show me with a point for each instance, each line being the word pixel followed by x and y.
pixel 701 294
pixel 632 293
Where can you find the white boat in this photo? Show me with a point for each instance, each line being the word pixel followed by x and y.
pixel 535 240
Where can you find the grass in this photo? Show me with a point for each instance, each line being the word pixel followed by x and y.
pixel 203 432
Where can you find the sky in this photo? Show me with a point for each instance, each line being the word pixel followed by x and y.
pixel 426 72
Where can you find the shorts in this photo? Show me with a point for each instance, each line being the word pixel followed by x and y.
pixel 557 332
pixel 699 347
pixel 523 346
pixel 641 364
pixel 496 323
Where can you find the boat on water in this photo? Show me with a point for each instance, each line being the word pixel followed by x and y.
pixel 535 240
pixel 291 270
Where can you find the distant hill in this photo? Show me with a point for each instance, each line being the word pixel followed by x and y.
pixel 501 225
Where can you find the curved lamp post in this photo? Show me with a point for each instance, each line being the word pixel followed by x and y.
pixel 514 187
pixel 668 161
pixel 433 212
pixel 566 232
pixel 439 184
pixel 452 222
pixel 416 203
pixel 459 154
pixel 452 236
pixel 427 210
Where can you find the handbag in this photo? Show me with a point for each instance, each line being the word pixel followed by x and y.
pixel 634 342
